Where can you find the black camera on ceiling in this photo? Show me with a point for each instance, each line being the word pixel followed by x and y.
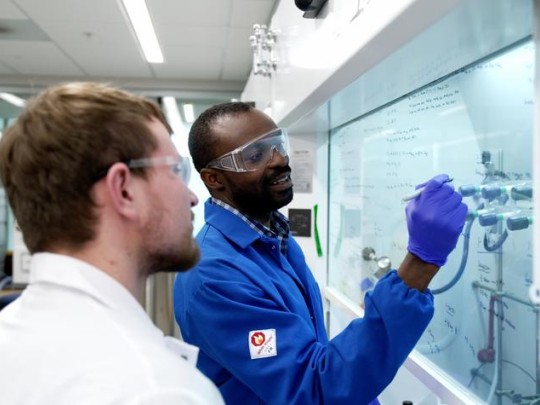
pixel 311 8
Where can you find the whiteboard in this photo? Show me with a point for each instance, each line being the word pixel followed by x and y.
pixel 475 125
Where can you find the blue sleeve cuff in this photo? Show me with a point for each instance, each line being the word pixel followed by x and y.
pixel 404 310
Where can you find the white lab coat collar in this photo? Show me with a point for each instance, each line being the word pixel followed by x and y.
pixel 69 272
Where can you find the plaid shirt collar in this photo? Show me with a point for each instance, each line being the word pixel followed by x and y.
pixel 279 225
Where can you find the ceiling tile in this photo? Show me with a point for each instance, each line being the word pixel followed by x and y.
pixel 175 35
pixel 233 69
pixel 9 10
pixel 39 58
pixel 72 10
pixel 196 63
pixel 238 51
pixel 200 13
pixel 245 13
pixel 238 43
pixel 21 30
pixel 93 34
pixel 100 48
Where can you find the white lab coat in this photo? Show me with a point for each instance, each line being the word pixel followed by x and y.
pixel 77 336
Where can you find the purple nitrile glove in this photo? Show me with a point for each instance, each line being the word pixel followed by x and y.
pixel 435 220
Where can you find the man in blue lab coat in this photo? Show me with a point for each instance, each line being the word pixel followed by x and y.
pixel 252 304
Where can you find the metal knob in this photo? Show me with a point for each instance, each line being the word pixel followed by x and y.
pixel 383 263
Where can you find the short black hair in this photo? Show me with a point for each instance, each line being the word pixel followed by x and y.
pixel 201 139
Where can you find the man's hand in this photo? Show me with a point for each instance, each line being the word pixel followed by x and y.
pixel 435 220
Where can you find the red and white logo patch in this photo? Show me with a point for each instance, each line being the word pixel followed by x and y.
pixel 262 343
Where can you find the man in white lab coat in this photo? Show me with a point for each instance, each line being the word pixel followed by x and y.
pixel 100 194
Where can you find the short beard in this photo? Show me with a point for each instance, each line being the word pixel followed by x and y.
pixel 259 204
pixel 172 261
pixel 165 255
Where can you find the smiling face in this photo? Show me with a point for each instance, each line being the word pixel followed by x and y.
pixel 168 229
pixel 259 192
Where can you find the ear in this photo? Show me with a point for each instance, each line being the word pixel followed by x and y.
pixel 121 189
pixel 213 179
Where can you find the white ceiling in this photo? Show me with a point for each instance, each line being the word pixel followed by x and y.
pixel 204 42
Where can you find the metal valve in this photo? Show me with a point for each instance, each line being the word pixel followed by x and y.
pixel 383 263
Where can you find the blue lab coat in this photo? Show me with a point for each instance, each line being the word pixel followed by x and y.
pixel 243 284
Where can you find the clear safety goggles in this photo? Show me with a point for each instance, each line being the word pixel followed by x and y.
pixel 254 154
pixel 180 166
